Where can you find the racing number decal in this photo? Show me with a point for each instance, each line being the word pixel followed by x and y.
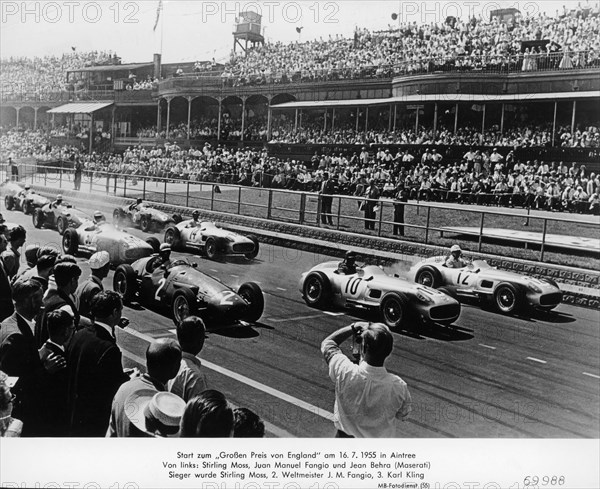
pixel 161 284
pixel 463 279
pixel 227 294
pixel 352 285
pixel 193 235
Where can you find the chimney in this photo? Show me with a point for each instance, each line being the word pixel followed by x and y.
pixel 157 66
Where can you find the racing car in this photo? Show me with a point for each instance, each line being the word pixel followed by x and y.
pixel 121 246
pixel 507 292
pixel 22 199
pixel 208 238
pixel 144 217
pixel 60 217
pixel 392 299
pixel 180 286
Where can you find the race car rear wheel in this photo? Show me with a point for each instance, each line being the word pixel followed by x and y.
pixel 38 218
pixel 9 202
pixel 393 309
pixel 183 305
pixel 316 289
pixel 173 237
pixel 124 282
pixel 154 242
pixel 254 254
pixel 429 277
pixel 70 242
pixel 62 225
pixel 145 223
pixel 27 207
pixel 253 295
pixel 507 298
pixel 210 248
pixel 117 217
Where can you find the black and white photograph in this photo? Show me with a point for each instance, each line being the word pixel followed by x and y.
pixel 363 234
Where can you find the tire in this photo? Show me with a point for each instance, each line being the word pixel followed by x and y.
pixel 210 248
pixel 38 218
pixel 254 254
pixel 316 290
pixel 117 217
pixel 9 202
pixel 145 223
pixel 184 304
pixel 252 294
pixel 393 309
pixel 154 242
pixel 27 207
pixel 429 276
pixel 70 242
pixel 125 283
pixel 62 224
pixel 507 298
pixel 173 237
pixel 177 218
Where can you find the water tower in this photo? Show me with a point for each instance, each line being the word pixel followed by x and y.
pixel 247 30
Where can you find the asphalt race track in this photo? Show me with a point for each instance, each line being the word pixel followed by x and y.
pixel 488 377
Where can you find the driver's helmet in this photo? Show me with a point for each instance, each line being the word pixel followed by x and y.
pixel 27 187
pixel 165 250
pixel 99 217
pixel 139 201
pixel 59 198
pixel 196 215
pixel 350 257
pixel 455 249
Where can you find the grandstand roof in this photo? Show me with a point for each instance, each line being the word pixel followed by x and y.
pixel 126 67
pixel 459 97
pixel 79 108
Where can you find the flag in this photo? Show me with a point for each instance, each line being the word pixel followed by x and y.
pixel 299 29
pixel 158 9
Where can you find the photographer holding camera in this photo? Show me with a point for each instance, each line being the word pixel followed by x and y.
pixel 369 401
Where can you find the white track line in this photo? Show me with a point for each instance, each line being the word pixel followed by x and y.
pixel 334 313
pixel 213 270
pixel 241 378
pixel 234 276
pixel 536 360
pixel 282 290
pixel 487 346
pixel 591 375
pixel 283 320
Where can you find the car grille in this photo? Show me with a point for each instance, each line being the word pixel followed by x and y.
pixel 551 299
pixel 243 247
pixel 137 253
pixel 448 311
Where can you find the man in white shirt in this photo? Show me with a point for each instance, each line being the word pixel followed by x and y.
pixel 369 401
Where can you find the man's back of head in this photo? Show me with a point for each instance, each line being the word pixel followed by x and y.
pixel 191 333
pixel 163 358
pixel 378 343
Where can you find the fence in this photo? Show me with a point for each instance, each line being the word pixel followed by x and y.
pixel 424 222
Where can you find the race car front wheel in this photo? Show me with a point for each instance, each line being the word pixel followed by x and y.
pixel 124 282
pixel 183 305
pixel 70 242
pixel 173 237
pixel 210 248
pixel 316 289
pixel 507 298
pixel 27 207
pixel 145 223
pixel 62 225
pixel 253 295
pixel 393 309
pixel 429 277
pixel 38 218
pixel 9 202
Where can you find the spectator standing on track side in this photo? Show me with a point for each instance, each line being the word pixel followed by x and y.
pixel 77 175
pixel 327 190
pixel 14 170
pixel 369 401
pixel 400 198
pixel 95 372
pixel 190 380
pixel 163 358
pixel 372 195
pixel 100 265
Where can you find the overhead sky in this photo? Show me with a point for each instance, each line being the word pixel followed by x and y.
pixel 195 30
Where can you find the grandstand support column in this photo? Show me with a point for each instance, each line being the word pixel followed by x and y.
pixel 395 115
pixel 189 99
pixel 435 119
pixel 482 123
pixel 455 117
pixel 35 111
pixel 325 120
pixel 243 117
pixel 296 121
pixel 53 120
pixel 357 116
pixel 554 122
pixel 112 123
pixel 572 117
pixel 91 132
pixel 168 116
pixel 332 118
pixel 390 118
pixel 300 117
pixel 417 121
pixel 502 120
pixel 269 120
pixel 219 119
pixel 17 109
pixel 158 121
pixel 366 119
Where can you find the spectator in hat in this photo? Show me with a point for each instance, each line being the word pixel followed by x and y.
pixel 370 402
pixel 100 266
pixel 455 259
pixel 247 424
pixel 163 359
pixel 6 304
pixel 9 427
pixel 11 256
pixel 31 255
pixel 155 414
pixel 95 372
pixel 207 416
pixel 190 380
